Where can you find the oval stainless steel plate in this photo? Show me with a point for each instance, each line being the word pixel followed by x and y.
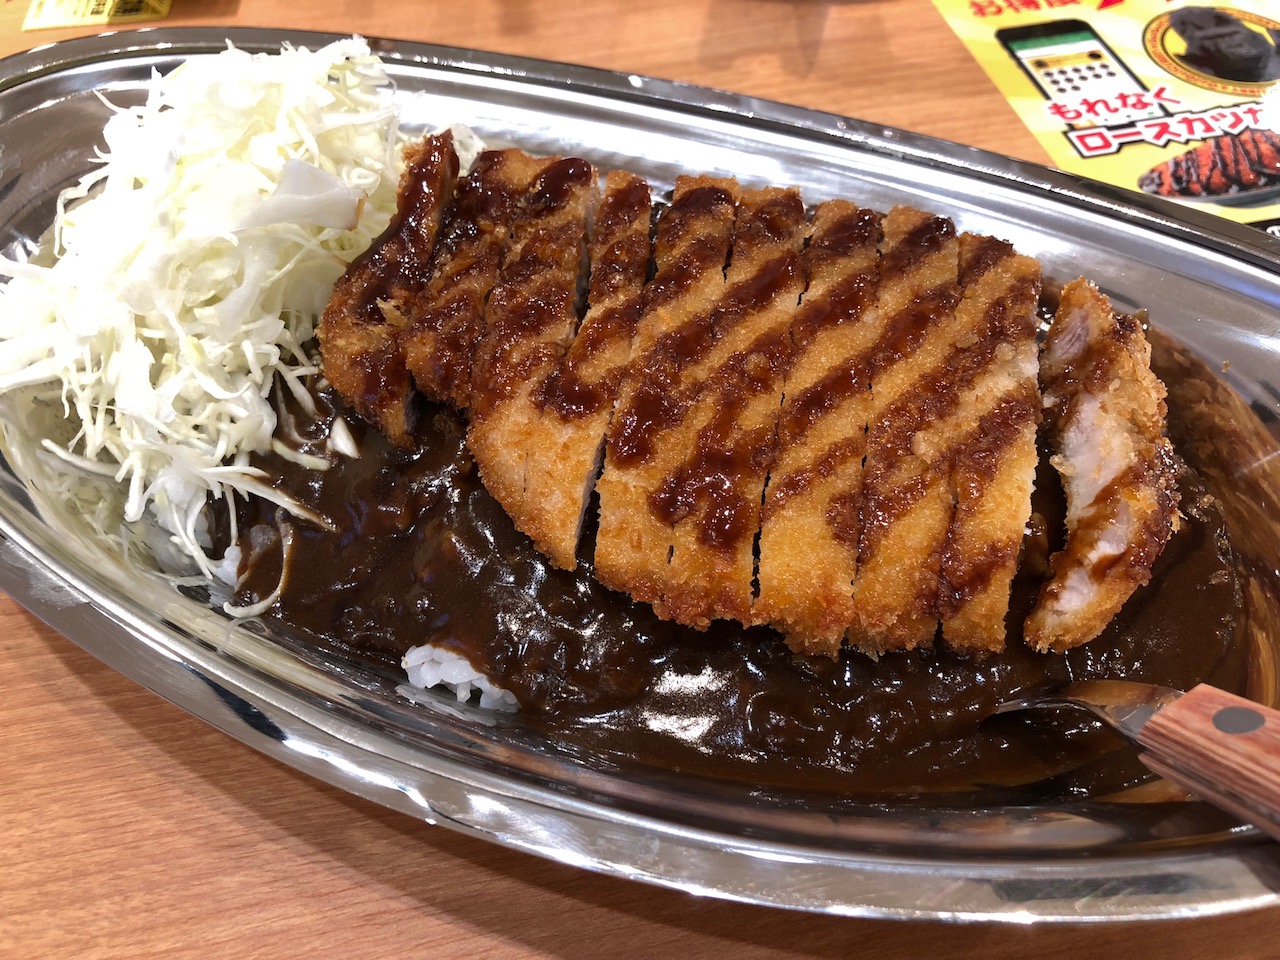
pixel 1210 284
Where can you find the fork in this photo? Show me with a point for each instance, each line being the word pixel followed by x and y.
pixel 1222 748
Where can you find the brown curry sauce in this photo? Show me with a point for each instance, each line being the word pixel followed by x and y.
pixel 421 553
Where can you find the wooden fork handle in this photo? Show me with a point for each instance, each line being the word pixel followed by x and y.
pixel 1223 748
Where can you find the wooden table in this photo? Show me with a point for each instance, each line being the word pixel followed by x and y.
pixel 130 829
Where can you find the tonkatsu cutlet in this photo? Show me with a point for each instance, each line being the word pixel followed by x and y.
pixel 825 427
pixel 731 392
pixel 529 321
pixel 809 526
pixel 360 329
pixel 991 434
pixel 1105 411
pixel 575 402
pixel 691 248
pixel 1231 164
pixel 550 424
pixel 906 501
pixel 446 320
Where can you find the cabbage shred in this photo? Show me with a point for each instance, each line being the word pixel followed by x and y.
pixel 191 266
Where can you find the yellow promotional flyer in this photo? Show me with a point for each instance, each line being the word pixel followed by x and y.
pixel 1162 96
pixel 43 14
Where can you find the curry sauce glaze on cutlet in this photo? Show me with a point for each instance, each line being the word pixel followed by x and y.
pixel 691 247
pixel 906 504
pixel 446 320
pixel 990 437
pixel 810 519
pixel 731 391
pixel 360 329
pixel 828 427
pixel 529 322
pixel 575 402
pixel 555 416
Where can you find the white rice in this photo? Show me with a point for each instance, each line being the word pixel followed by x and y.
pixel 429 666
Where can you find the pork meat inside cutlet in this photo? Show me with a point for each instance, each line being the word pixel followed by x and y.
pixel 446 320
pixel 530 320
pixel 691 248
pixel 906 503
pixel 991 438
pixel 360 328
pixel 1105 412
pixel 562 429
pixel 732 391
pixel 809 528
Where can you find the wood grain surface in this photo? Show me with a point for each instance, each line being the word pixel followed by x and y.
pixel 1223 748
pixel 130 829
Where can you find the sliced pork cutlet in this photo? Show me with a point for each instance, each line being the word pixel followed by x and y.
pixel 691 248
pixel 576 401
pixel 732 392
pixel 907 505
pixel 561 428
pixel 530 321
pixel 1231 164
pixel 809 528
pixel 1105 412
pixel 990 435
pixel 446 320
pixel 359 331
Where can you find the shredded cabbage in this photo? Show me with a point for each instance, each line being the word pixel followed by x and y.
pixel 191 267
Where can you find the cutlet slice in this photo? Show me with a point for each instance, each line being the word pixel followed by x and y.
pixel 809 529
pixel 633 542
pixel 1230 164
pixel 906 503
pixel 446 320
pixel 564 428
pixel 734 392
pixel 1105 411
pixel 991 434
pixel 530 320
pixel 359 330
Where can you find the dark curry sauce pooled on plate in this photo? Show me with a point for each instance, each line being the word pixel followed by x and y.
pixel 420 553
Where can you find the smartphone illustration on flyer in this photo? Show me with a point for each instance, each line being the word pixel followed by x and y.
pixel 1070 64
